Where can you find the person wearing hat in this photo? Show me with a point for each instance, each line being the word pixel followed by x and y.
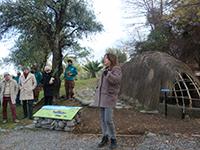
pixel 8 93
pixel 27 84
pixel 48 82
pixel 69 75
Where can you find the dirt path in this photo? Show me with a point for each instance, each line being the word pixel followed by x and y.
pixel 132 122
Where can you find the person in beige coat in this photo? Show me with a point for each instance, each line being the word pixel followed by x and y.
pixel 27 84
pixel 8 93
pixel 106 98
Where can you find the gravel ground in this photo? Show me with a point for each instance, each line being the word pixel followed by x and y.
pixel 50 140
pixel 42 139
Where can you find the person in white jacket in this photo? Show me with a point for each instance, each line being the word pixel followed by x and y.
pixel 27 84
pixel 8 93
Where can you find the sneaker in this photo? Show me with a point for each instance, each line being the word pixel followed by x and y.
pixel 16 121
pixel 4 121
pixel 24 117
pixel 113 144
pixel 103 142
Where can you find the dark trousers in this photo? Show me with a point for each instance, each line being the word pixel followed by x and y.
pixel 48 100
pixel 7 100
pixel 28 108
pixel 18 102
pixel 69 86
pixel 36 92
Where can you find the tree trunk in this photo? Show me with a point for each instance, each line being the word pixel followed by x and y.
pixel 93 74
pixel 57 65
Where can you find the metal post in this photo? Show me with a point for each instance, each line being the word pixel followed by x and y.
pixel 165 91
pixel 165 104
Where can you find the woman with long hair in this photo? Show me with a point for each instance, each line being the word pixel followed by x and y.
pixel 106 97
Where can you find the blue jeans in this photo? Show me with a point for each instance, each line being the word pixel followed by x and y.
pixel 107 124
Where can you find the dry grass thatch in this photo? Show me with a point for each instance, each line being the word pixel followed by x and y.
pixel 146 74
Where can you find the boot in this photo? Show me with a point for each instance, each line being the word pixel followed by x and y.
pixel 103 142
pixel 113 144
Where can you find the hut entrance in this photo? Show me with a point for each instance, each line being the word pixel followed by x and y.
pixel 185 93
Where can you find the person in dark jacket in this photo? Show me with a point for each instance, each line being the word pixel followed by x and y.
pixel 106 98
pixel 48 85
pixel 16 78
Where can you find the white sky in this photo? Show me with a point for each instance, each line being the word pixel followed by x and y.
pixel 109 13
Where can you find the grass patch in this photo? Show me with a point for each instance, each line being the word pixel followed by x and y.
pixel 89 83
pixel 80 84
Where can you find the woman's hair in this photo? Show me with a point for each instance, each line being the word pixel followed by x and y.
pixel 112 58
pixel 69 61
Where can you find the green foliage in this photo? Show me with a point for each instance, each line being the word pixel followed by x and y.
pixel 77 52
pixel 122 57
pixel 158 40
pixel 30 50
pixel 92 67
pixel 185 21
pixel 48 26
pixel 175 30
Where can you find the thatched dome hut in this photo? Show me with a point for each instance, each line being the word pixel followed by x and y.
pixel 145 75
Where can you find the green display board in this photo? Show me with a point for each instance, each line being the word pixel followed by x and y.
pixel 57 112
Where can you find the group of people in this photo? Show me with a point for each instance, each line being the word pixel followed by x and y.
pixel 24 89
pixel 105 98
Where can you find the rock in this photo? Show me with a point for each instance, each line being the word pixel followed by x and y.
pixel 61 124
pixel 86 96
pixel 151 134
pixel 56 124
pixel 71 123
pixel 78 118
pixel 150 111
pixel 3 130
pixel 19 128
pixel 196 135
pixel 38 125
pixel 30 126
pixel 58 129
pixel 68 129
pixel 46 121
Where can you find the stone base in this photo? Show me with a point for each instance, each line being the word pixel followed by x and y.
pixel 56 124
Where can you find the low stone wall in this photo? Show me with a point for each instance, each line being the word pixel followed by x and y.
pixel 56 124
